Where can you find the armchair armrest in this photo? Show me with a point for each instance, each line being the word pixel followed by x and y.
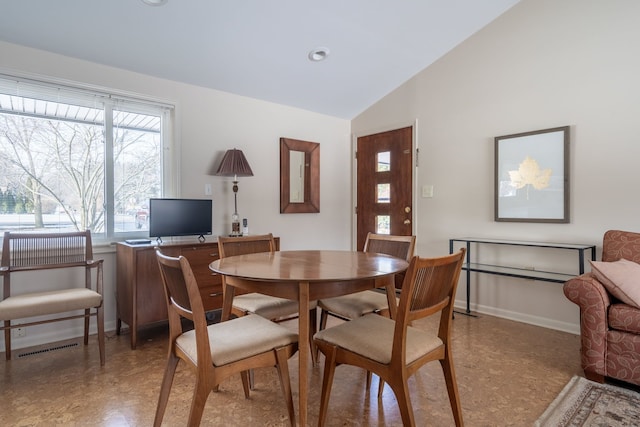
pixel 96 263
pixel 594 301
pixel 92 263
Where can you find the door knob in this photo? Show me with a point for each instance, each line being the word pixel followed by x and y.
pixel 407 209
pixel 407 221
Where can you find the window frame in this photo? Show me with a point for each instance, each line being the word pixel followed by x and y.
pixel 46 88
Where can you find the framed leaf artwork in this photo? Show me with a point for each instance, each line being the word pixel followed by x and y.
pixel 532 176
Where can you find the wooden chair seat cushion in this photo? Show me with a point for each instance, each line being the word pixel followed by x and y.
pixel 356 305
pixel 371 336
pixel 49 302
pixel 238 339
pixel 267 306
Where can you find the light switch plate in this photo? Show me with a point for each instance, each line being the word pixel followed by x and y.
pixel 427 191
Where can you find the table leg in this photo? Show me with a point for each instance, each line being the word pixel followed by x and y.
pixel 227 301
pixel 390 286
pixel 303 350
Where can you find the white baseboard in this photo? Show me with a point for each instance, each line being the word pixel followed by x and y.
pixel 571 328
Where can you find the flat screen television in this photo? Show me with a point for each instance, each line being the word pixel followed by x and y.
pixel 180 217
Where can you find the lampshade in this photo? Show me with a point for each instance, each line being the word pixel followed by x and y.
pixel 234 164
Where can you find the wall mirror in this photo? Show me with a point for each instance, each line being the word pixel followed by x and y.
pixel 299 176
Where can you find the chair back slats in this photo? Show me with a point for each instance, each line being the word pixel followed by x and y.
pixel 24 251
pixel 231 246
pixel 433 285
pixel 423 291
pixel 429 286
pixel 397 246
pixel 394 245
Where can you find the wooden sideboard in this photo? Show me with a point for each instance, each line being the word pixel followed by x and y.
pixel 139 294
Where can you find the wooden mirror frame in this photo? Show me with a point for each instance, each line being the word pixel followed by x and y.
pixel 311 152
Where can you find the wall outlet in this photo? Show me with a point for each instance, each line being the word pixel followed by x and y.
pixel 19 332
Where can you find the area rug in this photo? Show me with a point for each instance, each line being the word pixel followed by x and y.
pixel 587 403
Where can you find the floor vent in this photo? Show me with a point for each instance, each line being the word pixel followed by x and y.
pixel 47 350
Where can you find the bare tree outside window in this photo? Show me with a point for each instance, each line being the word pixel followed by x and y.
pixel 53 158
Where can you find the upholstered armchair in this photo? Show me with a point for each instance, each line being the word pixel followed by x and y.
pixel 609 327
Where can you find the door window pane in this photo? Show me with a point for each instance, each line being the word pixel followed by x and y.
pixel 384 161
pixel 384 195
pixel 383 225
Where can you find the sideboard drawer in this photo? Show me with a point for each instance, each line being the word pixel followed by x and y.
pixel 211 297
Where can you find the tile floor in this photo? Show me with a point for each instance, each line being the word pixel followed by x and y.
pixel 508 373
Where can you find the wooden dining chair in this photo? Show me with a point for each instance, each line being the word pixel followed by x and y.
pixel 270 307
pixel 220 350
pixel 393 349
pixel 352 306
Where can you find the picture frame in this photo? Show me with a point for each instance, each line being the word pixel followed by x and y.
pixel 532 176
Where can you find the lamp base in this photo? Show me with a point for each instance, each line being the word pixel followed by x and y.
pixel 235 225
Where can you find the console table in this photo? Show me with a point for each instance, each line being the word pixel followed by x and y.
pixel 522 273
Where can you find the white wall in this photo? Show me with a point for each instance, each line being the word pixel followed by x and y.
pixel 542 64
pixel 209 123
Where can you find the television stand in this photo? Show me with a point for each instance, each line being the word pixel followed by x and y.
pixel 140 297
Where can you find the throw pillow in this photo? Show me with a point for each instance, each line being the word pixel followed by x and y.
pixel 621 278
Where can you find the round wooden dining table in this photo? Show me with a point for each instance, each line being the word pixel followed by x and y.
pixel 305 276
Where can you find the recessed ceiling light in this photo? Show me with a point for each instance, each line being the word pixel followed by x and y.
pixel 319 54
pixel 155 2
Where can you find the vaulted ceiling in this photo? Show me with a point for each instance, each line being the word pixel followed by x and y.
pixel 258 48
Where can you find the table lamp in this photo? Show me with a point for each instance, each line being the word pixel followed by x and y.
pixel 234 164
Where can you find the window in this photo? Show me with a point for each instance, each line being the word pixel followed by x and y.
pixel 384 192
pixel 383 224
pixel 76 159
pixel 384 161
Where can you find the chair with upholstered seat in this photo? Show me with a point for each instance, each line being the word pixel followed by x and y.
pixel 394 350
pixel 270 307
pixel 220 350
pixel 352 306
pixel 27 252
pixel 610 310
